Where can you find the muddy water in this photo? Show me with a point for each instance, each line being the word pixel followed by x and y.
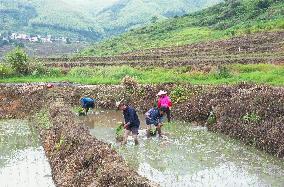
pixel 22 159
pixel 191 156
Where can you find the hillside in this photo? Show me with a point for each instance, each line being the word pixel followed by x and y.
pixel 59 18
pixel 126 14
pixel 222 21
pixel 89 19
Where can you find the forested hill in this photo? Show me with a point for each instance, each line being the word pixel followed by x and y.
pixel 89 19
pixel 126 14
pixel 71 18
pixel 225 20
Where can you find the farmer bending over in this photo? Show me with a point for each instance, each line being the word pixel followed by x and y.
pixel 155 117
pixel 87 103
pixel 131 121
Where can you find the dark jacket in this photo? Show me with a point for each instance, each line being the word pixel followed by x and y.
pixel 153 117
pixel 87 102
pixel 131 116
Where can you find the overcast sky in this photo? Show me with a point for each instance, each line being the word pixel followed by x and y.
pixel 97 1
pixel 107 2
pixel 92 2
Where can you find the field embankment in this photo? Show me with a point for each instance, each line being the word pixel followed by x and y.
pixel 76 158
pixel 257 58
pixel 267 47
pixel 251 113
pixel 231 74
pixel 42 50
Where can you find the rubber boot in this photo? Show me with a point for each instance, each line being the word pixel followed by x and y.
pixel 136 142
pixel 148 133
pixel 159 132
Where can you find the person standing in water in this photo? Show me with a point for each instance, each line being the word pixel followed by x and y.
pixel 165 101
pixel 87 103
pixel 154 116
pixel 131 121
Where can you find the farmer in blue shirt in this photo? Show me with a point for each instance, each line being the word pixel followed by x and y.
pixel 87 103
pixel 131 121
pixel 155 117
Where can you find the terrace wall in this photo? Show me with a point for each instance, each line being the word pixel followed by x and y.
pixel 251 113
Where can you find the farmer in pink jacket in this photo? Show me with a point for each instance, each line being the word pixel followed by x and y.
pixel 165 101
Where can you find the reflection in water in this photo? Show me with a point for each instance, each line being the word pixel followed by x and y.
pixel 108 118
pixel 192 156
pixel 22 159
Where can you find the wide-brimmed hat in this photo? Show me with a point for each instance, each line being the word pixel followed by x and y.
pixel 162 92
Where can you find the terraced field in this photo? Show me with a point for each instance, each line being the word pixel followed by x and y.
pixel 46 49
pixel 250 49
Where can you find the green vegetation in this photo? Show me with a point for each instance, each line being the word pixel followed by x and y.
pixel 222 21
pixel 17 63
pixel 211 119
pixel 42 118
pixel 255 73
pixel 18 67
pixel 251 117
pixel 59 18
pixel 78 111
pixel 129 14
pixel 15 14
pixel 59 144
pixel 119 132
pixel 18 60
pixel 81 112
pixel 178 94
pixel 88 19
pixel 6 71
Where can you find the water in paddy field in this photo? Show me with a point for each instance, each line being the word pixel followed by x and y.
pixel 22 159
pixel 191 156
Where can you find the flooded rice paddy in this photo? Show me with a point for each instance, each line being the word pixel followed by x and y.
pixel 22 159
pixel 190 156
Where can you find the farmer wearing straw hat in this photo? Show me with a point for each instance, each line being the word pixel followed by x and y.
pixel 165 101
pixel 131 121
